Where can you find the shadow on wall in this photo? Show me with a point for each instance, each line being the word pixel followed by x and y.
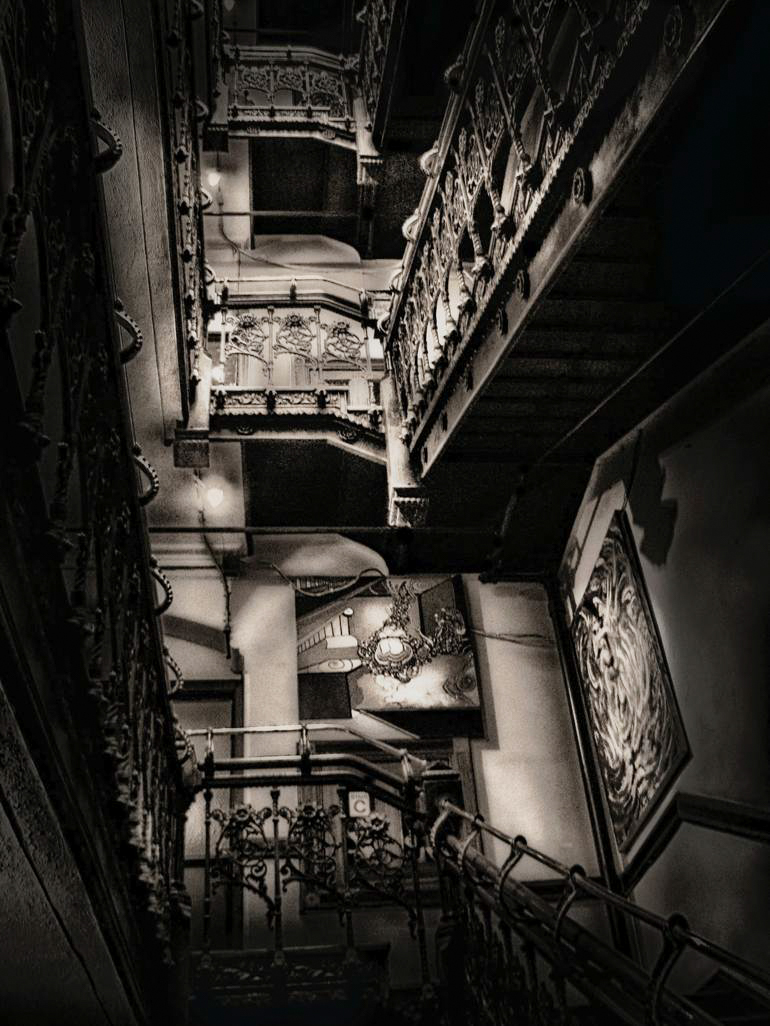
pixel 637 468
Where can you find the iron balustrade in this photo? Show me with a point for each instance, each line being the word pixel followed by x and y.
pixel 506 953
pixel 533 96
pixel 296 360
pixel 289 90
pixel 476 890
pixel 320 845
pixel 74 484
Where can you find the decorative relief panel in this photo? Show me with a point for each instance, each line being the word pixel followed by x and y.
pixel 637 728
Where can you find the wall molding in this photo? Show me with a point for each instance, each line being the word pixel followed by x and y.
pixel 751 822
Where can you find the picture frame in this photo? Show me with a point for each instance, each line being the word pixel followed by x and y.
pixel 638 734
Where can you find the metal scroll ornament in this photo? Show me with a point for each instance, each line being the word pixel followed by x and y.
pixel 242 850
pixel 397 649
pixel 400 650
pixel 248 337
pixel 341 343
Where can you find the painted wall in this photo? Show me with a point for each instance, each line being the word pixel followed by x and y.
pixel 693 480
pixel 527 771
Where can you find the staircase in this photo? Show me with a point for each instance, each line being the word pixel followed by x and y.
pixel 347 849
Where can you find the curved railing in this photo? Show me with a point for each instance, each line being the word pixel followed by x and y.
pixel 73 488
pixel 508 950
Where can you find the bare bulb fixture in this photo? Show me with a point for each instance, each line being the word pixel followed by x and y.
pixel 214 178
pixel 215 497
pixel 228 4
pixel 218 374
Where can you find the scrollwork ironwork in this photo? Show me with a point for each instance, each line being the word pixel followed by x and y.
pixel 469 245
pixel 242 851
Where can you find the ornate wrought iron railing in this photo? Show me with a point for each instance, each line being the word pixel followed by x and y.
pixel 287 91
pixel 73 482
pixel 511 956
pixel 318 832
pixel 533 95
pixel 506 952
pixel 293 361
pixel 382 24
pixel 179 22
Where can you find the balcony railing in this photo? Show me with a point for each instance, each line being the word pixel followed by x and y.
pixel 533 96
pixel 295 361
pixel 382 27
pixel 287 91
pixel 73 487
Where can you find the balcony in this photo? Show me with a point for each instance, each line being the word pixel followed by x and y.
pixel 311 372
pixel 283 91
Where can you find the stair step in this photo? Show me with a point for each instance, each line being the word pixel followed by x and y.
pixel 614 314
pixel 585 278
pixel 574 341
pixel 567 367
pixel 625 237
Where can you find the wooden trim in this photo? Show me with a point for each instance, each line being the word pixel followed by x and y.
pixel 589 769
pixel 720 814
pixel 728 817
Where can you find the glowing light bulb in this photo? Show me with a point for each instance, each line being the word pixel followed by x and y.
pixel 214 178
pixel 228 4
pixel 218 374
pixel 215 497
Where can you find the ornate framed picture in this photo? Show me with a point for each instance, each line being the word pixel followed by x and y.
pixel 637 729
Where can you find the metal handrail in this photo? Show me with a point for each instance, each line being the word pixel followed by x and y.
pixel 674 927
pixel 412 766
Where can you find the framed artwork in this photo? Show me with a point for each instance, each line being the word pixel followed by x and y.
pixel 635 721
pixel 397 647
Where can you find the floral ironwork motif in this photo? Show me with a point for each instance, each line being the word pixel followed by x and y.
pixel 295 335
pixel 381 863
pixel 341 343
pixel 242 850
pixel 319 841
pixel 311 847
pixel 248 336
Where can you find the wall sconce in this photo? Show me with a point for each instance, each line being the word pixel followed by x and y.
pixel 215 497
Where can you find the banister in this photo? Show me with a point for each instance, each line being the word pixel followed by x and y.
pixel 511 165
pixel 674 927
pixel 416 764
